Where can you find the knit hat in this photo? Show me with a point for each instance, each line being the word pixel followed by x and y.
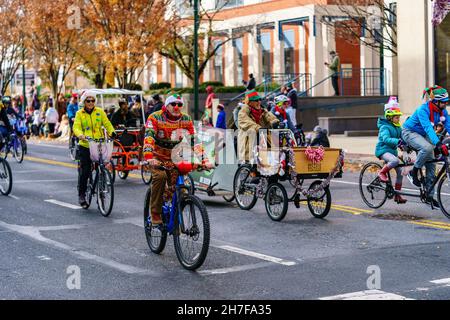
pixel 392 104
pixel 252 95
pixel 86 94
pixel 174 98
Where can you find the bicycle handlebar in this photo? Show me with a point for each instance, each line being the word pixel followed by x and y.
pixel 197 167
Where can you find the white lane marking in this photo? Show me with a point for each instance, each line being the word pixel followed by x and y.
pixel 236 268
pixel 257 255
pixel 138 222
pixel 33 233
pixel 367 295
pixel 27 171
pixel 445 282
pixel 44 258
pixel 63 204
pixel 14 197
pixel 44 181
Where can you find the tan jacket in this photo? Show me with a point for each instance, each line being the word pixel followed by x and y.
pixel 248 129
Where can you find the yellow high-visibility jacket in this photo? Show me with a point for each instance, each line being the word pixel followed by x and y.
pixel 91 125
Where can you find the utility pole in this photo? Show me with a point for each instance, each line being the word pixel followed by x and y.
pixel 196 84
pixel 23 82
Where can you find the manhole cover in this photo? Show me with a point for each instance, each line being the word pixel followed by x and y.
pixel 396 216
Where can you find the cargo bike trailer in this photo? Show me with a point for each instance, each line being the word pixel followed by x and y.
pixel 287 162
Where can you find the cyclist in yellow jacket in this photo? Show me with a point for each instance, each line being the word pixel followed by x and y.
pixel 90 121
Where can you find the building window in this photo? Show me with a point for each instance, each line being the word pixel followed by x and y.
pixel 289 51
pixel 239 45
pixel 443 53
pixel 183 7
pixel 178 77
pixel 266 52
pixel 393 13
pixel 218 62
pixel 228 3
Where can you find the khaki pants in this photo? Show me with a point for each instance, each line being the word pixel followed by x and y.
pixel 161 191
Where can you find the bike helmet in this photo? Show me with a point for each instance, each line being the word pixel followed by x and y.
pixel 6 100
pixel 392 112
pixel 279 100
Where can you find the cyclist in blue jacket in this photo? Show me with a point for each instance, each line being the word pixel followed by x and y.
pixel 419 133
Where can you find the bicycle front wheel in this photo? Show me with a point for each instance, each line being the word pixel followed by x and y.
pixel 146 174
pixel 192 235
pixel 276 202
pixel 5 177
pixel 443 195
pixel 372 190
pixel 18 150
pixel 105 192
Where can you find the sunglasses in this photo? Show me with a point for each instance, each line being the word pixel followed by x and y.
pixel 173 104
pixel 90 101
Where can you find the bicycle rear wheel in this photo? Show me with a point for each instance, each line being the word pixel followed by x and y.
pixel 105 192
pixel 319 204
pixel 156 237
pixel 245 195
pixel 5 177
pixel 372 190
pixel 146 174
pixel 192 234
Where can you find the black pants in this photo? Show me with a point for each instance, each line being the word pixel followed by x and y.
pixel 51 128
pixel 335 83
pixel 84 169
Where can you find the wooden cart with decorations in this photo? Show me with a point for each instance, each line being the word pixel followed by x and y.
pixel 287 162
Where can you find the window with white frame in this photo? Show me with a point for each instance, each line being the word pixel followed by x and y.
pixel 228 3
pixel 239 45
pixel 218 62
pixel 266 52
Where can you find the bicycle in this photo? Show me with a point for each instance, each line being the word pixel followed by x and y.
pixel 375 193
pixel 14 143
pixel 102 184
pixel 183 226
pixel 6 180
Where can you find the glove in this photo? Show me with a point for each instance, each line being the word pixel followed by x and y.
pixel 275 125
pixel 114 135
pixel 442 148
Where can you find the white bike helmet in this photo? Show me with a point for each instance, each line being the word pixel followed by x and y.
pixel 279 100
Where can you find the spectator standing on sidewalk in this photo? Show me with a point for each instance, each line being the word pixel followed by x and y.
pixel 293 98
pixel 251 83
pixel 51 118
pixel 334 71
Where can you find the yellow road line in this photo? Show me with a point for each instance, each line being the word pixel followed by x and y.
pixel 52 162
pixel 356 213
pixel 67 165
pixel 353 208
pixel 436 222
pixel 431 225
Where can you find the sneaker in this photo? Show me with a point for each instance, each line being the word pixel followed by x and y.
pixel 435 203
pixel 82 201
pixel 412 177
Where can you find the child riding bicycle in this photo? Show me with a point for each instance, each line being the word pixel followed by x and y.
pixel 389 139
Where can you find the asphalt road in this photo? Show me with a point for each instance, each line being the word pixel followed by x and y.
pixel 397 252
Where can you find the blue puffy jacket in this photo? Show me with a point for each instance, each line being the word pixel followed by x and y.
pixel 388 138
pixel 221 120
pixel 72 110
pixel 420 122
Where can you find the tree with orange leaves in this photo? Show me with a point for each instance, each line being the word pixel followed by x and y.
pixel 11 43
pixel 51 40
pixel 126 33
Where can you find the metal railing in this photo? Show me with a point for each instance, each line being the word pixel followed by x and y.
pixel 301 81
pixel 358 82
